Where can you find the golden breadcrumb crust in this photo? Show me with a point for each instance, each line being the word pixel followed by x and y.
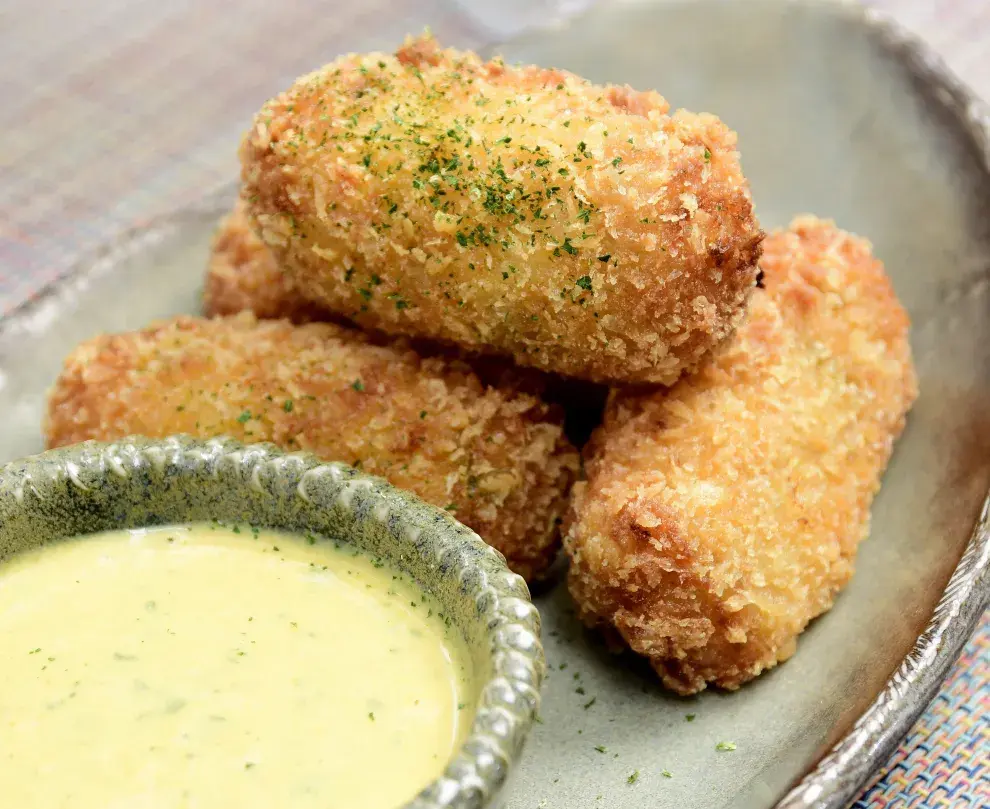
pixel 494 457
pixel 576 228
pixel 721 516
pixel 243 276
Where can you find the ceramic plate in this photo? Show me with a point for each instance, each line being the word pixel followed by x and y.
pixel 840 115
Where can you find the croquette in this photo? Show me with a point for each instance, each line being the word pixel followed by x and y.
pixel 720 516
pixel 243 276
pixel 523 211
pixel 495 458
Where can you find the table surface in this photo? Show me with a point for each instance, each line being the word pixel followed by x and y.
pixel 115 111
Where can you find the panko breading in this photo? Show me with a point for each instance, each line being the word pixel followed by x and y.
pixel 496 458
pixel 720 517
pixel 575 228
pixel 243 276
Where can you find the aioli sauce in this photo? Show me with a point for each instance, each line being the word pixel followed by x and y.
pixel 204 666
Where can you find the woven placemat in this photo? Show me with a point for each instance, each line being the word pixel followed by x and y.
pixel 116 111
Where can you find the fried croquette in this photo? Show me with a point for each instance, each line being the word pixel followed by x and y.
pixel 243 276
pixel 575 228
pixel 721 516
pixel 496 458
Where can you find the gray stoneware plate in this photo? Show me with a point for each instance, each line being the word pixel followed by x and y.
pixel 841 115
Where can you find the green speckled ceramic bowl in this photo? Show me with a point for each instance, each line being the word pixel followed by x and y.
pixel 139 482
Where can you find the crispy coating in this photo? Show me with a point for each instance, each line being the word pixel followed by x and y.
pixel 495 457
pixel 721 516
pixel 575 228
pixel 243 276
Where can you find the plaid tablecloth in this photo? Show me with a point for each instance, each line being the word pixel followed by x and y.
pixel 114 111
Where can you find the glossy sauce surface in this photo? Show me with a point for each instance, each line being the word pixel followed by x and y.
pixel 204 666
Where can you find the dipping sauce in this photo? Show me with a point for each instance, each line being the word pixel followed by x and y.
pixel 204 666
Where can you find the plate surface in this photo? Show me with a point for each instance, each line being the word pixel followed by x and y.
pixel 837 116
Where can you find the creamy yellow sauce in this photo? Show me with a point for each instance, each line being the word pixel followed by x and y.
pixel 202 666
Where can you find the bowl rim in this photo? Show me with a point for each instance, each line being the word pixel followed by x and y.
pixel 508 700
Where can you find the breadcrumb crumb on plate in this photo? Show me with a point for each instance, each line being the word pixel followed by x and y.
pixel 722 515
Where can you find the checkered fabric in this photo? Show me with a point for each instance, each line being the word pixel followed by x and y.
pixel 115 111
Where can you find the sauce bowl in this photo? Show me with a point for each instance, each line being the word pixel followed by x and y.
pixel 137 482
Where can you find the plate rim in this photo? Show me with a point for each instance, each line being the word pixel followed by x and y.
pixel 841 773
